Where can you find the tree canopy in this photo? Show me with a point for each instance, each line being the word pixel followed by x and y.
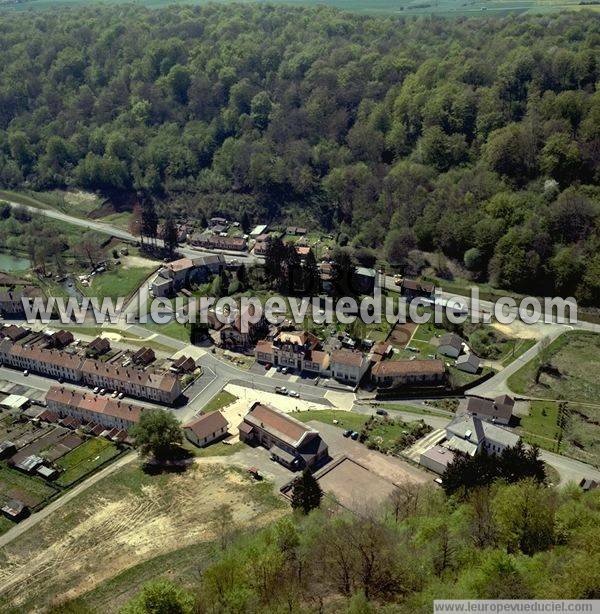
pixel 441 135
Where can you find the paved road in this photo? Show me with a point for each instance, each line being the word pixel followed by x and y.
pixel 34 519
pixel 570 470
pixel 119 233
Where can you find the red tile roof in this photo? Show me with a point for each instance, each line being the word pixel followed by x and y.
pixel 347 357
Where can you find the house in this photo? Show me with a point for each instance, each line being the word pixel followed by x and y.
pixel 261 247
pixel 60 339
pixel 437 459
pixel 7 448
pixel 13 332
pixel 393 373
pixel 14 510
pixel 348 366
pixel 88 407
pixel 206 429
pixel 450 345
pixel 295 350
pixel 303 252
pixel 469 363
pixel 295 230
pixel 380 351
pixel 162 286
pixel 237 244
pixel 97 347
pixel 363 280
pixel 144 356
pixel 478 435
pixel 218 221
pixel 499 410
pixel 184 364
pixel 11 303
pixel 293 444
pixel 327 276
pixel 242 331
pixel 411 288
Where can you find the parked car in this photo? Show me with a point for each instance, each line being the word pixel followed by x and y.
pixel 102 391
pixel 96 390
pixel 268 366
pixel 381 412
pixel 347 433
pixel 354 435
pixel 281 390
pixel 279 369
pixel 114 394
pixel 26 373
pixel 284 370
pixel 121 395
pixel 294 394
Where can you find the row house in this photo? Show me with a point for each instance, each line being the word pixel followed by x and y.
pixel 160 387
pixel 55 363
pixel 236 244
pixel 393 373
pixel 63 366
pixel 87 407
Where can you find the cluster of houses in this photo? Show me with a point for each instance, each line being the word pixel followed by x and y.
pixel 474 430
pixel 453 346
pixel 71 367
pixel 302 351
pixel 217 237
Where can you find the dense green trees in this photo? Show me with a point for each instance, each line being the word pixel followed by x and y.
pixel 441 135
pixel 157 434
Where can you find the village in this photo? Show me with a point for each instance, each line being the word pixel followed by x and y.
pixel 283 378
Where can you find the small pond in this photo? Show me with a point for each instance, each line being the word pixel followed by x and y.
pixel 12 264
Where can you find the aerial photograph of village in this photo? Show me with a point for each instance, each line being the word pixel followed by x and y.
pixel 299 306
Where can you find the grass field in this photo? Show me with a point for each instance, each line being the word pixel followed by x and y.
pixel 575 362
pixel 541 427
pixel 132 525
pixel 84 459
pixel 118 282
pixel 219 401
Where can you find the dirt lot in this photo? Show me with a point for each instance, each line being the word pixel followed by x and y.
pixel 348 482
pixel 126 520
pixel 401 334
pixel 373 473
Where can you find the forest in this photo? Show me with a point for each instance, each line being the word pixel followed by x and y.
pixel 478 138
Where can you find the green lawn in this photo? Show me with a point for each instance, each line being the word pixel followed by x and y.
pixel 219 401
pixel 31 490
pixel 171 329
pixel 346 419
pixel 84 459
pixel 519 348
pixel 118 282
pixel 541 425
pixel 574 359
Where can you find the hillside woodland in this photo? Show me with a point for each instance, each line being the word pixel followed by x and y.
pixel 476 138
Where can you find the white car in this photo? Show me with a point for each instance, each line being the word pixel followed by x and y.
pixel 96 390
pixel 102 391
pixel 294 394
pixel 26 373
pixel 121 395
pixel 114 394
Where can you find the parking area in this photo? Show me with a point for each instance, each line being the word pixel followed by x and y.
pixel 390 468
